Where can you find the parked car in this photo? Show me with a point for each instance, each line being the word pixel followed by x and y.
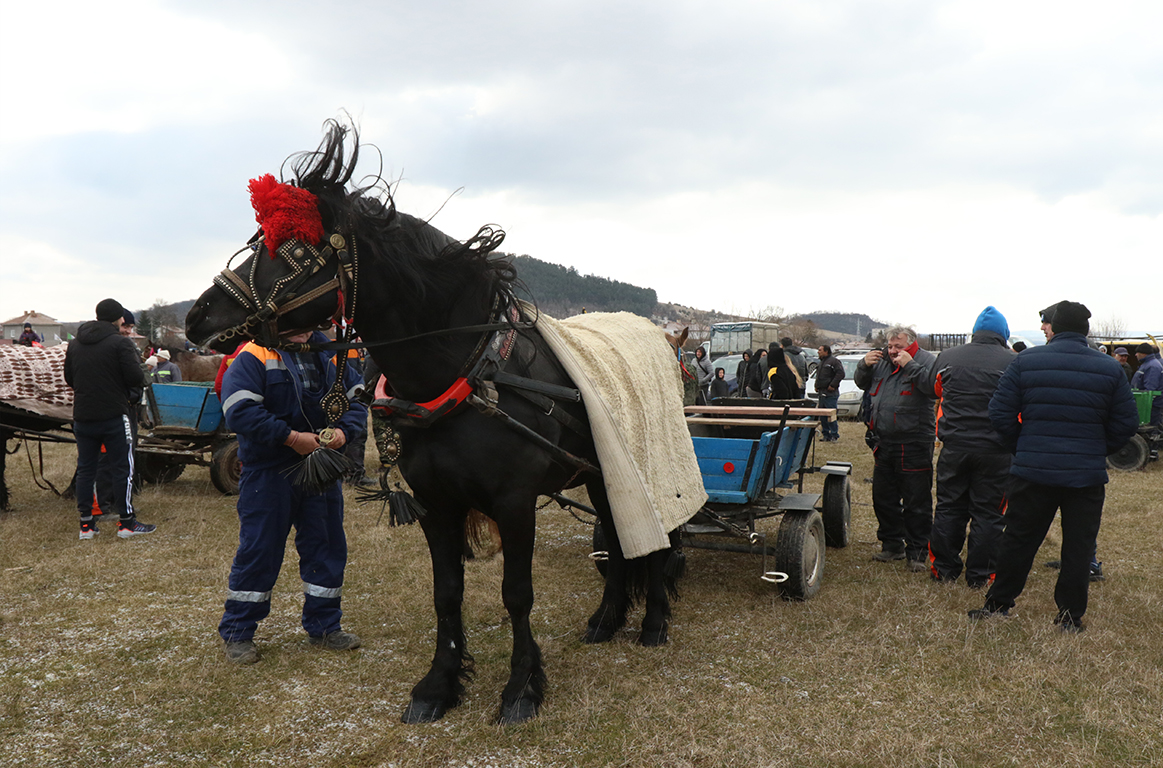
pixel 851 396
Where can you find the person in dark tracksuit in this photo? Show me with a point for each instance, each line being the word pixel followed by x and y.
pixel 103 368
pixel 270 398
pixel 974 464
pixel 904 425
pixel 1061 409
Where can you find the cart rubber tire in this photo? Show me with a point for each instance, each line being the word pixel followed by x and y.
pixel 799 552
pixel 225 468
pixel 837 510
pixel 600 545
pixel 1131 456
pixel 157 469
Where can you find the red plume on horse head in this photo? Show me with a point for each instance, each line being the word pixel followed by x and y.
pixel 285 212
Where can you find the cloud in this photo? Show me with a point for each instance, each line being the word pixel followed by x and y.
pixel 613 137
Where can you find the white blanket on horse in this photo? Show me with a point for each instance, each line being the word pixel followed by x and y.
pixel 632 389
pixel 33 378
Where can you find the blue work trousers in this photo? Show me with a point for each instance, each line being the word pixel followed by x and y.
pixel 268 506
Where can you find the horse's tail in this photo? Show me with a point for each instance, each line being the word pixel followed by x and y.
pixel 481 535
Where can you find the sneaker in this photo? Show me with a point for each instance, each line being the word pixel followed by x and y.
pixel 242 652
pixel 1096 572
pixel 888 555
pixel 133 528
pixel 89 530
pixel 916 566
pixel 336 641
pixel 1070 626
pixel 977 614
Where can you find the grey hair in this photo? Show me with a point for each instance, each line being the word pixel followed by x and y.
pixel 900 330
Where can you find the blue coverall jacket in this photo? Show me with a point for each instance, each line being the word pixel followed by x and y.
pixel 263 399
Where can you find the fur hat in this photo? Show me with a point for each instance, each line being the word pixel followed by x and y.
pixel 992 320
pixel 110 310
pixel 163 354
pixel 1070 316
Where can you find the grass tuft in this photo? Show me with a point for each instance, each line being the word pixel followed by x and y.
pixel 109 652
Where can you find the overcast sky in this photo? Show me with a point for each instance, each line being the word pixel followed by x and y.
pixel 915 160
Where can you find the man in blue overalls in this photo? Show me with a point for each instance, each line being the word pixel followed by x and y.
pixel 271 400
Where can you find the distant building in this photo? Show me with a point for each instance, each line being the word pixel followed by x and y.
pixel 49 328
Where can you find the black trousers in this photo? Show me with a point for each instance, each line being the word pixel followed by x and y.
pixel 117 437
pixel 902 497
pixel 1031 510
pixel 970 491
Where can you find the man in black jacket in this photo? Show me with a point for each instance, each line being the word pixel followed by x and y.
pixel 1060 409
pixel 974 465
pixel 102 367
pixel 829 374
pixel 903 421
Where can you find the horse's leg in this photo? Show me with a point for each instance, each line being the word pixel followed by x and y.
pixel 523 694
pixel 442 687
pixel 654 623
pixel 611 614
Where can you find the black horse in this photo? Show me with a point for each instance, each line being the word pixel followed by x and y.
pixel 419 299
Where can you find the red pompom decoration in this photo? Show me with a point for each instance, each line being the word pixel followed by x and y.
pixel 284 212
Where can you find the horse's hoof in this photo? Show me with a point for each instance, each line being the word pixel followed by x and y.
pixel 597 635
pixel 652 639
pixel 517 712
pixel 422 712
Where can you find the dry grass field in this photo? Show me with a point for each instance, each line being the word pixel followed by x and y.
pixel 109 652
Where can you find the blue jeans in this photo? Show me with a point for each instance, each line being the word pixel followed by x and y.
pixel 829 429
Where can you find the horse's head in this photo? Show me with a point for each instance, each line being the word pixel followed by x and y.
pixel 301 261
pixel 263 297
pixel 677 340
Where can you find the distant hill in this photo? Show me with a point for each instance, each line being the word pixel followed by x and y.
pixel 563 291
pixel 843 322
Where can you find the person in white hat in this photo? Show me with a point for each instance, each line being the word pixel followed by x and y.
pixel 167 372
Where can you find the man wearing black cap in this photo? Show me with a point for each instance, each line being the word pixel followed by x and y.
pixel 1060 409
pixel 1150 377
pixel 103 369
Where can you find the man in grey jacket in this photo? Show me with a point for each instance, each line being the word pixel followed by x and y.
pixel 903 424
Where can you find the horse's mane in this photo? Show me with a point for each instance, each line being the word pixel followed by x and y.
pixel 407 247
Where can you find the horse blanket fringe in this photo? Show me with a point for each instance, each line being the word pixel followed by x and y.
pixel 632 389
pixel 33 378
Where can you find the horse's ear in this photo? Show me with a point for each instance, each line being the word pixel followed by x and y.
pixel 683 336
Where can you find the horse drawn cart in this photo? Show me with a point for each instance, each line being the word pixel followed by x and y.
pixel 184 425
pixel 749 453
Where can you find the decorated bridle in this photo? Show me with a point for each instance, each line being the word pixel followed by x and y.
pixel 291 227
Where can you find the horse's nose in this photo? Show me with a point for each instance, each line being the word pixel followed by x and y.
pixel 194 316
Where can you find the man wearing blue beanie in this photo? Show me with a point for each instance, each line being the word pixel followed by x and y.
pixel 974 464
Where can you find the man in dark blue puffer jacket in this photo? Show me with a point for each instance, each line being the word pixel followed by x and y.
pixel 1061 409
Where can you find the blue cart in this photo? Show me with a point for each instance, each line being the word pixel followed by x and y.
pixel 749 457
pixel 184 425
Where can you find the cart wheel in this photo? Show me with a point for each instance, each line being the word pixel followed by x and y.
pixel 799 552
pixel 600 545
pixel 1131 456
pixel 837 510
pixel 158 469
pixel 225 467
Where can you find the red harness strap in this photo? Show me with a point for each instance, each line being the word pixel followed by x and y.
pixel 456 394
